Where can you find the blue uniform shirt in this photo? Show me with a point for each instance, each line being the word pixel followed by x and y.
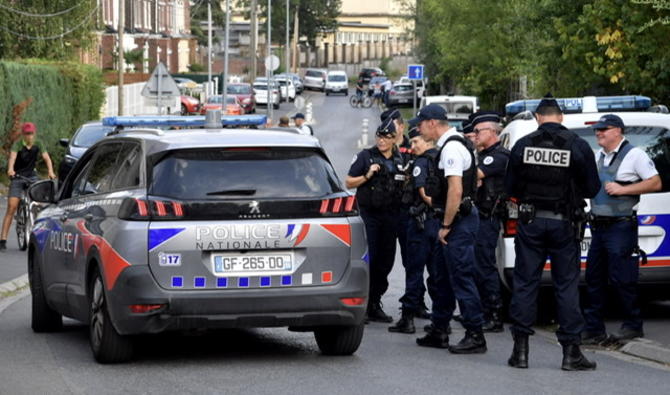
pixel 362 161
pixel 420 169
pixel 493 162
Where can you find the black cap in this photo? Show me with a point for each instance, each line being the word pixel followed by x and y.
pixel 466 127
pixel 431 111
pixel 387 127
pixel 298 115
pixel 392 113
pixel 413 132
pixel 548 101
pixel 607 121
pixel 484 116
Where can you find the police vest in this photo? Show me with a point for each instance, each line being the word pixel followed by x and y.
pixel 437 186
pixel 492 188
pixel 411 193
pixel 544 173
pixel 383 190
pixel 608 205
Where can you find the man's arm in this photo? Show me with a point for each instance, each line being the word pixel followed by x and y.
pixel 651 184
pixel 427 199
pixel 10 164
pixel 50 168
pixel 454 195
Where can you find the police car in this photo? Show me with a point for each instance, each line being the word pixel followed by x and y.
pixel 647 127
pixel 162 230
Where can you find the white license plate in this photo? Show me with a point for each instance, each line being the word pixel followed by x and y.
pixel 403 101
pixel 244 264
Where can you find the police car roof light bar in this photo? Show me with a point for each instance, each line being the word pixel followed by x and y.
pixel 578 105
pixel 182 121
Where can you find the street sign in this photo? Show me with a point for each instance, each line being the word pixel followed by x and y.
pixel 168 86
pixel 272 62
pixel 415 71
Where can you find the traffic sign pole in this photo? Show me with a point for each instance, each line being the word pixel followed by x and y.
pixel 414 97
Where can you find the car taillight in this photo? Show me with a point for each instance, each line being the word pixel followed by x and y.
pixel 140 209
pixel 340 205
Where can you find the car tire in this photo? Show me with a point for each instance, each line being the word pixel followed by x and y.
pixel 275 106
pixel 106 343
pixel 43 317
pixel 327 93
pixel 184 110
pixel 339 340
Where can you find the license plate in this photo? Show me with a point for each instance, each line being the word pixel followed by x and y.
pixel 403 101
pixel 253 264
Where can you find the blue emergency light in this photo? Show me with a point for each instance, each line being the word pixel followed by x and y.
pixel 575 104
pixel 182 121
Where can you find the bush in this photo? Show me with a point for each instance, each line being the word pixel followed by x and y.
pixel 64 96
pixel 196 68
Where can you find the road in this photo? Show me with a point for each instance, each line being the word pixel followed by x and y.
pixel 275 361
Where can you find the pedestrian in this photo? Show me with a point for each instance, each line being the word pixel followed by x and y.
pixel 360 85
pixel 550 172
pixel 452 192
pixel 22 160
pixel 426 251
pixel 283 121
pixel 377 173
pixel 386 89
pixel 299 120
pixel 625 172
pixel 491 164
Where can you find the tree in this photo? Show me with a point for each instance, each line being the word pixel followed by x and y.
pixel 46 29
pixel 199 14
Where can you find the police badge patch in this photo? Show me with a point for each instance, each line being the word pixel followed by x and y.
pixel 354 158
pixel 488 160
pixel 416 172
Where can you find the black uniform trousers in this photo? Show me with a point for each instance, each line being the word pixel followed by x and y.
pixel 414 284
pixel 381 230
pixel 488 279
pixel 535 242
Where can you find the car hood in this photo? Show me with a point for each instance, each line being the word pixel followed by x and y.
pixel 77 152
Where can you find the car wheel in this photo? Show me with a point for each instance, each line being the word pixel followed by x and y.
pixel 327 93
pixel 184 110
pixel 339 340
pixel 106 343
pixel 43 317
pixel 275 106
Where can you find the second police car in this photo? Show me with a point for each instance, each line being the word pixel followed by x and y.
pixel 647 127
pixel 199 228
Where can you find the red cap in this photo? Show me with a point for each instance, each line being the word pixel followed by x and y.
pixel 28 127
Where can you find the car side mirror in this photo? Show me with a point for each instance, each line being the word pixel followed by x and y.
pixel 43 191
pixel 64 142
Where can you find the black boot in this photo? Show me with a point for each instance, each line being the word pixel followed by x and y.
pixel 405 324
pixel 573 359
pixel 376 313
pixel 494 324
pixel 429 327
pixel 519 358
pixel 422 313
pixel 437 338
pixel 472 343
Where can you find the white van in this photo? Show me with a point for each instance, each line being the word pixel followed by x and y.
pixel 458 107
pixel 647 130
pixel 337 82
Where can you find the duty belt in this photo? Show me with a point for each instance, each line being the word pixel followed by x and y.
pixel 547 214
pixel 601 220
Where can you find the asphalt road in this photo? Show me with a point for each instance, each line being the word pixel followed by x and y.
pixel 275 361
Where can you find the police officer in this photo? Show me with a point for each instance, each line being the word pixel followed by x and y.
pixel 467 130
pixel 377 173
pixel 492 164
pixel 550 172
pixel 453 195
pixel 625 172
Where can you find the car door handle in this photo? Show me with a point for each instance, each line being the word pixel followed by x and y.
pixel 88 217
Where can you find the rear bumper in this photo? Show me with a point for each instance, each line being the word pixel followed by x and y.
pixel 304 307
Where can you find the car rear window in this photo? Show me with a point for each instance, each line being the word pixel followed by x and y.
pixel 244 173
pixel 90 134
pixel 239 89
pixel 402 88
pixel 314 73
pixel 456 107
pixel 337 78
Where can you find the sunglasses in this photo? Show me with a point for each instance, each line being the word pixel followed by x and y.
pixel 476 131
pixel 385 136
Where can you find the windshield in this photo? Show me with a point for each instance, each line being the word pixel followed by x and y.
pixel 239 89
pixel 90 134
pixel 244 173
pixel 337 78
pixel 458 107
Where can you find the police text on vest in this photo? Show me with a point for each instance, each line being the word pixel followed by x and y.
pixel 546 157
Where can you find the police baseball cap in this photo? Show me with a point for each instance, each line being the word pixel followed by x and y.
pixel 392 113
pixel 609 121
pixel 386 128
pixel 484 116
pixel 298 115
pixel 431 111
pixel 28 128
pixel 547 102
pixel 413 132
pixel 466 127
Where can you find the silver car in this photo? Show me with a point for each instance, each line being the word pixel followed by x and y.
pixel 195 229
pixel 315 79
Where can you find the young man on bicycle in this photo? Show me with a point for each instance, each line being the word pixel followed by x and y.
pixel 22 160
pixel 359 88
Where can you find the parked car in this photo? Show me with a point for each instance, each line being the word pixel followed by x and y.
pixel 420 85
pixel 160 231
pixel 287 87
pixel 245 94
pixel 401 94
pixel 261 93
pixel 315 79
pixel 457 106
pixel 297 81
pixel 375 85
pixel 87 135
pixel 233 105
pixel 337 82
pixel 185 83
pixel 189 105
pixel 367 73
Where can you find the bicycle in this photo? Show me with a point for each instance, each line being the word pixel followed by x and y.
pixel 24 215
pixel 360 101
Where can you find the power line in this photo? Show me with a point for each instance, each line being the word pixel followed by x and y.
pixel 54 37
pixel 24 13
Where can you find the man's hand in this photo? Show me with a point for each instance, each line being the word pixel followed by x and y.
pixel 614 189
pixel 442 235
pixel 374 168
pixel 52 176
pixel 11 173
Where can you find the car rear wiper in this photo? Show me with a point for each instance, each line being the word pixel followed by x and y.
pixel 245 192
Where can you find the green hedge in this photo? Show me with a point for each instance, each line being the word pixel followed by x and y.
pixel 65 95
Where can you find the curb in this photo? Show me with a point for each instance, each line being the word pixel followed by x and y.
pixel 13 286
pixel 647 349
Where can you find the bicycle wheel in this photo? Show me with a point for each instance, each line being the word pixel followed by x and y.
pixel 353 101
pixel 367 102
pixel 22 225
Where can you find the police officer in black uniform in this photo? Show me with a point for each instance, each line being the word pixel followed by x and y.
pixel 492 164
pixel 550 172
pixel 377 173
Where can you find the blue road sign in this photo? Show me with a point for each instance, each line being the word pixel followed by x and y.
pixel 415 71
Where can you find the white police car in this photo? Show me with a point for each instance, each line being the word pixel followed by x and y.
pixel 647 127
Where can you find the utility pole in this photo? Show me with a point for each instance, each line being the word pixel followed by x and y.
pixel 287 50
pixel 295 39
pixel 209 41
pixel 122 23
pixel 225 59
pixel 254 37
pixel 268 72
